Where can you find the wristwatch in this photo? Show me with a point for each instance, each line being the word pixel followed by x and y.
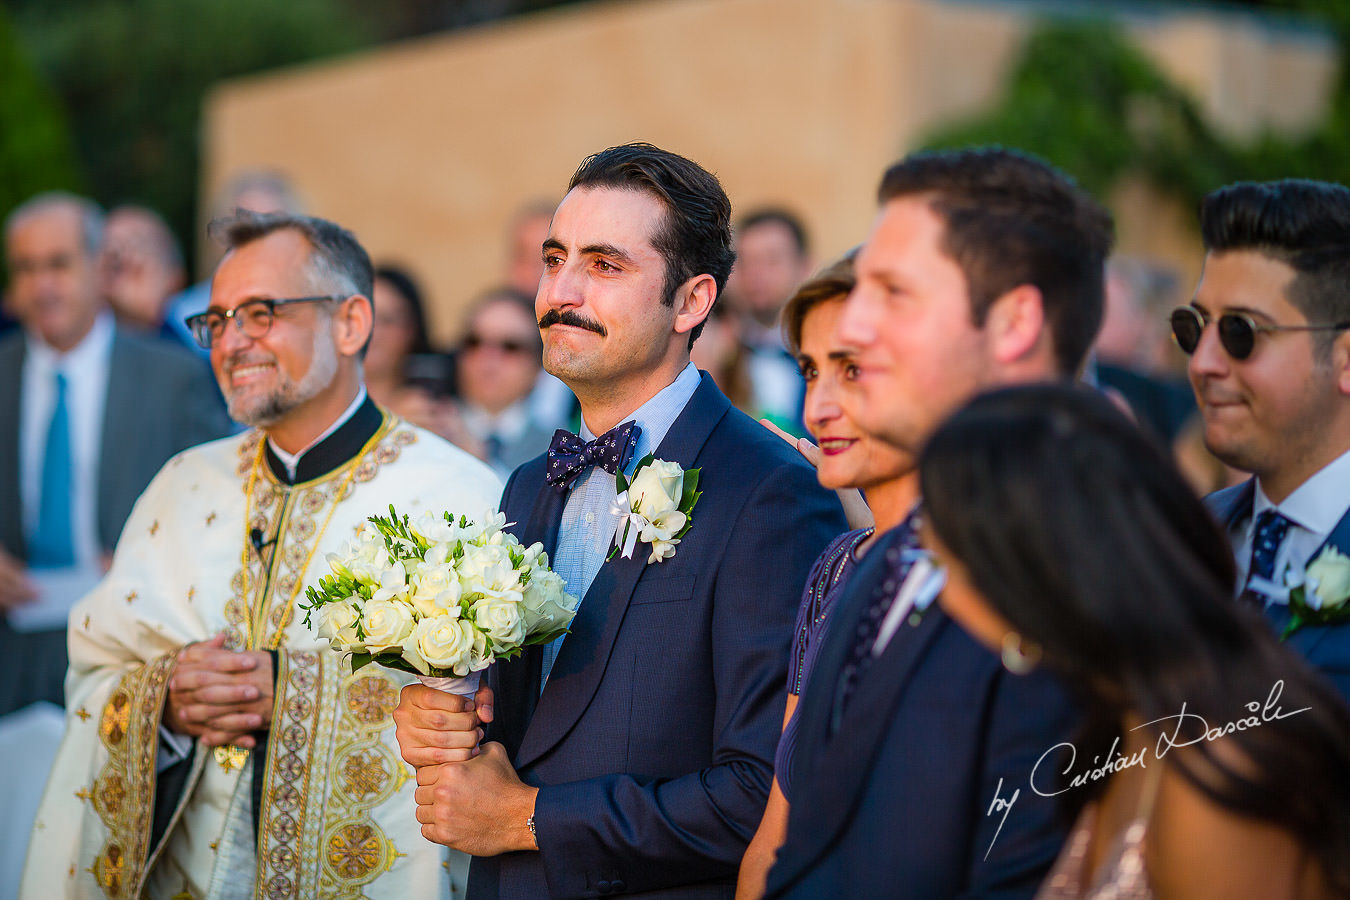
pixel 529 823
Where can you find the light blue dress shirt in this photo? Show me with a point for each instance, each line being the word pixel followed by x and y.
pixel 587 527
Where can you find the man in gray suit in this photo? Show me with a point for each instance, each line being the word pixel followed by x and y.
pixel 88 414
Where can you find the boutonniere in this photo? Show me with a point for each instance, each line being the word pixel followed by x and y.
pixel 1321 599
pixel 654 507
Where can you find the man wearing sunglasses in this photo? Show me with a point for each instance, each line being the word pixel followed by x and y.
pixel 215 746
pixel 1270 366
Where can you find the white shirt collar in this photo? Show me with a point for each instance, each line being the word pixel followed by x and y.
pixel 91 351
pixel 1318 503
pixel 291 462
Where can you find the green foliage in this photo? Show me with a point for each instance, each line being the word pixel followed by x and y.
pixel 1082 96
pixel 36 152
pixel 133 73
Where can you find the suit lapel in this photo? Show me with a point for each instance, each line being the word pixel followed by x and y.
pixel 1305 639
pixel 11 518
pixel 518 679
pixel 853 749
pixel 585 652
pixel 1231 505
pixel 120 424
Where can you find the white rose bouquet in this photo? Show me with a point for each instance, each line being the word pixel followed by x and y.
pixel 440 598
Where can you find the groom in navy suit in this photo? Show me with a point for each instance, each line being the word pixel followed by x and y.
pixel 1273 384
pixel 983 268
pixel 634 756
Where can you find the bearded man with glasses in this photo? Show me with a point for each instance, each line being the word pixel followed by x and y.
pixel 216 748
pixel 1272 379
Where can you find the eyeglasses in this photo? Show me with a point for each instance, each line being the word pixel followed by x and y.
pixel 253 318
pixel 474 342
pixel 1237 331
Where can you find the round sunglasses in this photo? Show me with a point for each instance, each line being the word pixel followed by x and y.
pixel 1237 331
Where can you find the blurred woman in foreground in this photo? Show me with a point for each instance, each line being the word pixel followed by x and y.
pixel 1070 540
pixel 846 460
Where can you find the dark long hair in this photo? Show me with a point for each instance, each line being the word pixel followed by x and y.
pixel 1080 532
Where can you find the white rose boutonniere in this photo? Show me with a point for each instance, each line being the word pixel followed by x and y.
pixel 654 507
pixel 1322 597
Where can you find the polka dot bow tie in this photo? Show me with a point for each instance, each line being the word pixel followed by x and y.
pixel 569 455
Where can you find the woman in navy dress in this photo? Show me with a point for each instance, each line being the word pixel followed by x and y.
pixel 846 460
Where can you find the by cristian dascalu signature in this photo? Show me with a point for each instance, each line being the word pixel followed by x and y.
pixel 1048 783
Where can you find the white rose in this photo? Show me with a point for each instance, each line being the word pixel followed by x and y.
pixel 438 589
pixel 657 488
pixel 661 550
pixel 1328 580
pixel 547 606
pixel 386 624
pixel 500 618
pixel 337 622
pixel 444 643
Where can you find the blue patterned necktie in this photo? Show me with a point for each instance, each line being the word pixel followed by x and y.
pixel 1271 527
pixel 54 545
pixel 569 455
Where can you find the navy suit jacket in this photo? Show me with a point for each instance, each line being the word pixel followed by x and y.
pixel 892 796
pixel 652 743
pixel 1325 647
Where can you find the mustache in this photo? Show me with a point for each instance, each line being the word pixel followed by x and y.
pixel 569 317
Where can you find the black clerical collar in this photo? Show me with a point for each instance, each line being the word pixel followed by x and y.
pixel 338 448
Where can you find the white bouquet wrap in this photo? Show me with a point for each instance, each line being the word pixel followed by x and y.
pixel 441 598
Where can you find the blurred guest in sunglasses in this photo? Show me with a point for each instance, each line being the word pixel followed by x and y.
pixel 496 368
pixel 1270 365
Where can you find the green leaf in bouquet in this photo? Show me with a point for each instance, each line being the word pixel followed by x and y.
pixel 547 637
pixel 361 660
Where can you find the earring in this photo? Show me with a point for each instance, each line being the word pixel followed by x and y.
pixel 1019 656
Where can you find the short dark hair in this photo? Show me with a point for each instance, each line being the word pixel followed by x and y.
pixel 695 238
pixel 834 282
pixel 776 215
pixel 1302 223
pixel 338 262
pixel 1012 219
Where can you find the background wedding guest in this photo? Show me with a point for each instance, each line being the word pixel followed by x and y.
pixel 88 414
pixel 720 353
pixel 400 333
pixel 497 365
pixel 773 257
pixel 1052 516
pixel 983 267
pixel 1133 355
pixel 845 457
pixel 1272 378
pixel 140 267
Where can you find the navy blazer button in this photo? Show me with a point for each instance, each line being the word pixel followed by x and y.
pixel 604 887
pixel 617 885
